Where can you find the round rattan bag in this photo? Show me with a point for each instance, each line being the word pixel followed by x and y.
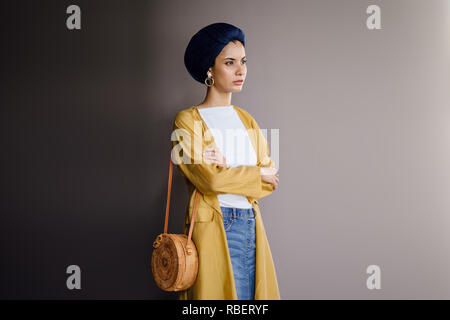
pixel 175 259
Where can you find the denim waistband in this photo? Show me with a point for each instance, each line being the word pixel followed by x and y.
pixel 238 212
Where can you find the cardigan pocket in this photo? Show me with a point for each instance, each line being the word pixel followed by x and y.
pixel 204 214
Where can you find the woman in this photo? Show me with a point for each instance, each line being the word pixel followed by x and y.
pixel 235 261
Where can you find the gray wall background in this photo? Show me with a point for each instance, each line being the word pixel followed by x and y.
pixel 364 142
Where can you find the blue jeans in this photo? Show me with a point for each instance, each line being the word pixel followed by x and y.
pixel 239 224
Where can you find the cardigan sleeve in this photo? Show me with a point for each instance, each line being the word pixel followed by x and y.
pixel 264 160
pixel 210 178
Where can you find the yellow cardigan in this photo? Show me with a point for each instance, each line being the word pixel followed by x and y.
pixel 215 280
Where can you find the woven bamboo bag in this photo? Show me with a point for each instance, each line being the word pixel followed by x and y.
pixel 175 259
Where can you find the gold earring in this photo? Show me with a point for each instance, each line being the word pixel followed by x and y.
pixel 209 78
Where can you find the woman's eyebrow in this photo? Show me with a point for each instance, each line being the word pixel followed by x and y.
pixel 233 58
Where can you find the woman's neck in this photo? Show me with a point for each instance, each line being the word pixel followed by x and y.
pixel 215 98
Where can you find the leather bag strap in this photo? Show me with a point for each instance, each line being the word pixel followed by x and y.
pixel 167 209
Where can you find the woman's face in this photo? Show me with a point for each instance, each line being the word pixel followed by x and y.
pixel 230 66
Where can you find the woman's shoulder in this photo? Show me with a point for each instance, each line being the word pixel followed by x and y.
pixel 184 114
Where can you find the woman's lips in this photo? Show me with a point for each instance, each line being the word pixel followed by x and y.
pixel 238 82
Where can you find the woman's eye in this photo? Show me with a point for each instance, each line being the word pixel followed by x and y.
pixel 231 62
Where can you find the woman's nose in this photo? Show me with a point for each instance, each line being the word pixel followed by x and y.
pixel 241 70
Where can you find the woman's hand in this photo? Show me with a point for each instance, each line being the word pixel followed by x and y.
pixel 269 174
pixel 212 154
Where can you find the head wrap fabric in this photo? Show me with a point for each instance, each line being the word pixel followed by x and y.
pixel 205 46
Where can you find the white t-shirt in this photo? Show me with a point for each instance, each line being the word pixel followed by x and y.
pixel 231 137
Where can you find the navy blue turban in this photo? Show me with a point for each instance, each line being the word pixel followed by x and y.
pixel 206 45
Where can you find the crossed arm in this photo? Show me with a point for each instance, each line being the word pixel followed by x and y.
pixel 211 177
